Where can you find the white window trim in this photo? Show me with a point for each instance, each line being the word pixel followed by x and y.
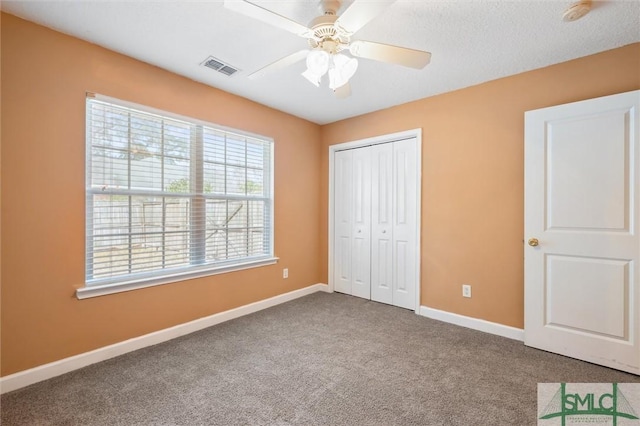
pixel 89 291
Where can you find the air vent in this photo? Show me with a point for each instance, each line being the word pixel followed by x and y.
pixel 220 66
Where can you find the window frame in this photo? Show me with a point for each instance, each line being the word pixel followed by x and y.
pixel 99 287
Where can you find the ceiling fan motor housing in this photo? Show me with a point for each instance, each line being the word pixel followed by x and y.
pixel 326 35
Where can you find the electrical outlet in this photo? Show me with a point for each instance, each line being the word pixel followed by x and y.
pixel 466 290
pixel 285 273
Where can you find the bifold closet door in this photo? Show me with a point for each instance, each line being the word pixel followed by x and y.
pixel 382 223
pixel 352 264
pixel 342 195
pixel 394 232
pixel 405 222
pixel 375 222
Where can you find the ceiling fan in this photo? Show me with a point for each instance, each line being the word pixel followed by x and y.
pixel 329 36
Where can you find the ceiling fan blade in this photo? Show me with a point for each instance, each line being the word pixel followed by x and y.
pixel 387 53
pixel 279 64
pixel 343 91
pixel 360 13
pixel 261 14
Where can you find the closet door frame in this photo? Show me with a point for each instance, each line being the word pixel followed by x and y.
pixel 393 137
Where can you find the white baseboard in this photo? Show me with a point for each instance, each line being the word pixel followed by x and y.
pixel 473 323
pixel 56 368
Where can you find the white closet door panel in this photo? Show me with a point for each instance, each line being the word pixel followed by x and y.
pixel 343 195
pixel 375 244
pixel 382 223
pixel 405 237
pixel 361 220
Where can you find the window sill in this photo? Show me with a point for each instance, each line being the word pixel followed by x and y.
pixel 103 290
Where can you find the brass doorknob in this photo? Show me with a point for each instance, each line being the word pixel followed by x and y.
pixel 533 242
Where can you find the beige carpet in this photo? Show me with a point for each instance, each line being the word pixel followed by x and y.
pixel 325 359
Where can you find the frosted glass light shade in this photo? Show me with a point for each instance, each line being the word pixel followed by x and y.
pixel 343 69
pixel 312 77
pixel 317 66
pixel 318 62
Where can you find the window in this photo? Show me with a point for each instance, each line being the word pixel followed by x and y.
pixel 169 196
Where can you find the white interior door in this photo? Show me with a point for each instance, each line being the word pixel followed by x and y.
pixel 582 292
pixel 382 223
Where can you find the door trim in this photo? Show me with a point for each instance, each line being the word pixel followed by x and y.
pixel 392 137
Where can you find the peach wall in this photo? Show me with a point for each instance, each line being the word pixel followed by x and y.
pixel 45 75
pixel 472 176
pixel 472 190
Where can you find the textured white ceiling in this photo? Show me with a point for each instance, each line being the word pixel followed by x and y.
pixel 471 41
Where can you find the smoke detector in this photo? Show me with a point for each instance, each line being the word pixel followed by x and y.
pixel 576 11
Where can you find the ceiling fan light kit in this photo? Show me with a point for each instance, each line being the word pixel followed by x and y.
pixel 328 35
pixel 339 67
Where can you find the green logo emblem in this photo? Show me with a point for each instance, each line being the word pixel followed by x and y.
pixel 566 404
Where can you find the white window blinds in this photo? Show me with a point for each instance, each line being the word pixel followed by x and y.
pixel 167 195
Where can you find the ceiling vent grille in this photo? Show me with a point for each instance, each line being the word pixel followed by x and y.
pixel 220 66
